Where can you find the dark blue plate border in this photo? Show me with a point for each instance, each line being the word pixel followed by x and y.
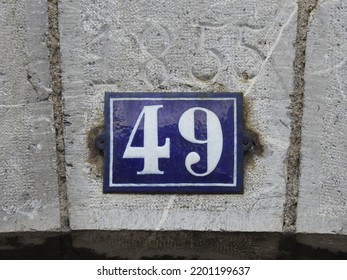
pixel 157 186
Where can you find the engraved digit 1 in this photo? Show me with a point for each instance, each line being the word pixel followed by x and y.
pixel 214 140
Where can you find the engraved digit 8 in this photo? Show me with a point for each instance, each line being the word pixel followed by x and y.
pixel 214 140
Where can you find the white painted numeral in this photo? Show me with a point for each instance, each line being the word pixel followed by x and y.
pixel 214 139
pixel 150 152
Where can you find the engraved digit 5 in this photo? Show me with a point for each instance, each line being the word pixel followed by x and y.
pixel 214 139
pixel 207 62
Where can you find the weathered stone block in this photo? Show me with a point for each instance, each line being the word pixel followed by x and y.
pixel 322 204
pixel 29 199
pixel 178 46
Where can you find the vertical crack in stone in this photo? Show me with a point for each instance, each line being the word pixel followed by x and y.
pixel 305 8
pixel 58 107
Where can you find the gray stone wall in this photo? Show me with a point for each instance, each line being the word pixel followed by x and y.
pixel 287 57
pixel 29 198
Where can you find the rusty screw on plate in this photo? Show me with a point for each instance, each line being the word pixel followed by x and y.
pixel 247 143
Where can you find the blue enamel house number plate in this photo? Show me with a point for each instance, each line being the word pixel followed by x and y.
pixel 173 143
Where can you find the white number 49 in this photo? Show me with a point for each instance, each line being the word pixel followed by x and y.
pixel 151 152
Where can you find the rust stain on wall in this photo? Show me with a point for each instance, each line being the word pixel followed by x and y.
pixel 253 132
pixel 95 157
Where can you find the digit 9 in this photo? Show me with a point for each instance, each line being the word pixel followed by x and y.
pixel 214 139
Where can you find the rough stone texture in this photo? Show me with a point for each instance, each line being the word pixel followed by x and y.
pixel 178 46
pixel 178 245
pixel 322 204
pixel 169 245
pixel 28 184
pixel 13 241
pixel 333 243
